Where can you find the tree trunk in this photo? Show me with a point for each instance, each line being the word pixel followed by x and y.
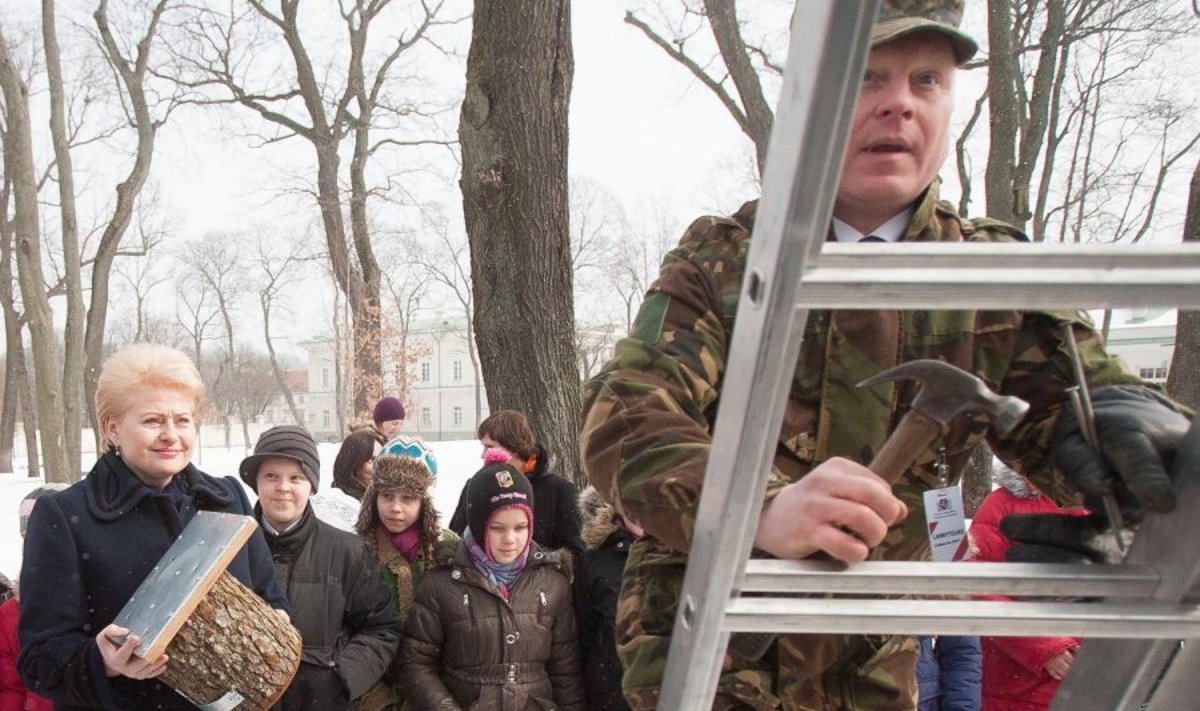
pixel 513 132
pixel 131 76
pixel 29 416
pixel 1183 382
pixel 284 390
pixel 18 160
pixel 73 355
pixel 1003 114
pixel 722 17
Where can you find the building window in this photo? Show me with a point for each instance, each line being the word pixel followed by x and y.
pixel 457 371
pixel 1153 374
pixel 426 417
pixel 325 418
pixel 325 377
pixel 458 415
pixel 425 372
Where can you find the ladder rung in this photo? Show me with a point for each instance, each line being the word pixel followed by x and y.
pixel 1002 276
pixel 924 578
pixel 1145 620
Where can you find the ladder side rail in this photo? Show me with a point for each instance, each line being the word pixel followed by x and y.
pixel 827 53
pixel 1166 542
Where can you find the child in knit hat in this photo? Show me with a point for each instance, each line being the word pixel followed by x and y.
pixel 399 523
pixel 495 621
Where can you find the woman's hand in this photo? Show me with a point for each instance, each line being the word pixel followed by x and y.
pixel 283 613
pixel 117 648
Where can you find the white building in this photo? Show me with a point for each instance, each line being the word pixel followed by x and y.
pixel 1145 340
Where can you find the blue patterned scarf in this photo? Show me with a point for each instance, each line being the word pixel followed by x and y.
pixel 501 575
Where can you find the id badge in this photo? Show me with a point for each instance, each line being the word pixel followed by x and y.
pixel 946 524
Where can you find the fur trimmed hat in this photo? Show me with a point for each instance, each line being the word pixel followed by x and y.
pixel 286 441
pixel 492 488
pixel 406 474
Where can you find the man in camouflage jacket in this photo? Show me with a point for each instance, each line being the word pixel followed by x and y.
pixel 648 414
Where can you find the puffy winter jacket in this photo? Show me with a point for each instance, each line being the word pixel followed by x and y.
pixel 343 608
pixel 13 694
pixel 948 674
pixel 466 647
pixel 1014 674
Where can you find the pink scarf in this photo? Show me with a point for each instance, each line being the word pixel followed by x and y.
pixel 408 542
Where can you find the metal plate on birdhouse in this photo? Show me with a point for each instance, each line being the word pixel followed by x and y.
pixel 180 580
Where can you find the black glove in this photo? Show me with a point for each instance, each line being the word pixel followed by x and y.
pixel 1139 431
pixel 1060 538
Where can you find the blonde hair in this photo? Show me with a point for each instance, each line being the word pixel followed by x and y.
pixel 144 365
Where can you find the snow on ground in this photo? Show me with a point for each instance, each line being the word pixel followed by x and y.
pixel 457 461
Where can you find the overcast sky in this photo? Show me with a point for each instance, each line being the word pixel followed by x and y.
pixel 640 126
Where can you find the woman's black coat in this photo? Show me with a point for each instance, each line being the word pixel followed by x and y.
pixel 87 550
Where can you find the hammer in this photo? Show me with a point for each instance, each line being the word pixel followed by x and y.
pixel 945 393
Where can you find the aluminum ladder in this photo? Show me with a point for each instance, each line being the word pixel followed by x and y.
pixel 1146 610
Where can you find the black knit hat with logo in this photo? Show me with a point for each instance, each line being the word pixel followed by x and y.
pixel 289 442
pixel 494 487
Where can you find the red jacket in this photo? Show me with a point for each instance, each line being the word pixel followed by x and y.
pixel 1014 674
pixel 13 695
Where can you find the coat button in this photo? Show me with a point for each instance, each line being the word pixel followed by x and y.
pixel 538 555
pixel 457 575
pixel 510 638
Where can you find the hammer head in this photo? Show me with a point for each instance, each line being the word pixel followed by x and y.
pixel 947 392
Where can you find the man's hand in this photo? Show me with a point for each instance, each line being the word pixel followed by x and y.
pixel 1060 538
pixel 841 508
pixel 1139 431
pixel 117 648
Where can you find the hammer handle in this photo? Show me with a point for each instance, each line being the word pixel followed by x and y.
pixel 915 433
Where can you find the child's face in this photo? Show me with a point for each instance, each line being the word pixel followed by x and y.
pixel 507 534
pixel 398 510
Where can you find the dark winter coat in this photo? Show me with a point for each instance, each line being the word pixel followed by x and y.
pixel 597 587
pixel 555 514
pixel 87 550
pixel 13 694
pixel 1014 673
pixel 343 608
pixel 949 675
pixel 466 647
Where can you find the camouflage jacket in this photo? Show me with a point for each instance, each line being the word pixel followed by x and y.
pixel 647 415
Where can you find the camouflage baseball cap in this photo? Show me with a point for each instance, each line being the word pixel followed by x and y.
pixel 899 18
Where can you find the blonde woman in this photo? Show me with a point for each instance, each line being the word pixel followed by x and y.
pixel 88 548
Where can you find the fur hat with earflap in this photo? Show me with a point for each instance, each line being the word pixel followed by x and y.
pixel 405 475
pixel 600 519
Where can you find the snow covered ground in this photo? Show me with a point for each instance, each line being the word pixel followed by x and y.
pixel 457 461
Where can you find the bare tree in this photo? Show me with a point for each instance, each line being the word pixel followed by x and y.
pixel 196 311
pixel 735 60
pixel 408 285
pixel 74 358
pixel 131 68
pixel 446 263
pixel 276 272
pixel 18 161
pixel 1050 62
pixel 1183 382
pixel 216 261
pixel 216 55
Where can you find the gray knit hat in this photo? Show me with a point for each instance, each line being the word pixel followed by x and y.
pixel 289 442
